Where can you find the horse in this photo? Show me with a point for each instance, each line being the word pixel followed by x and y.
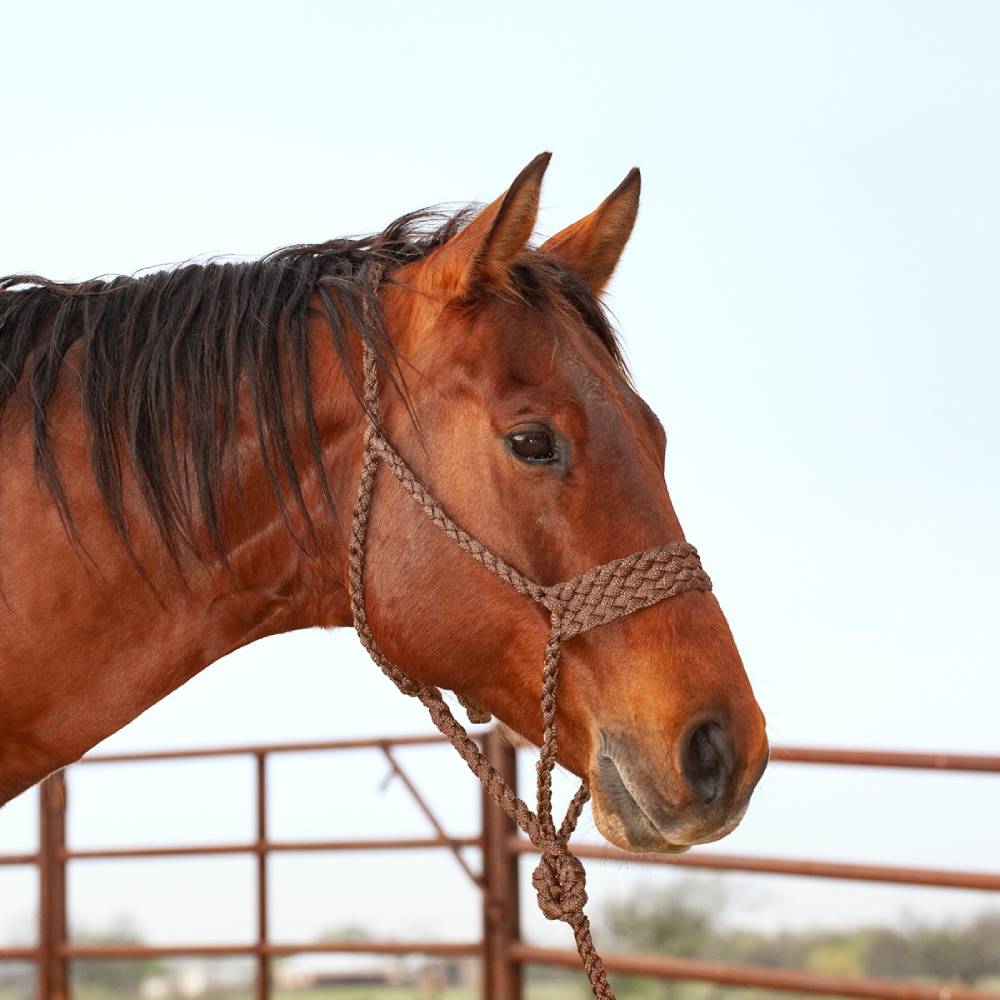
pixel 179 454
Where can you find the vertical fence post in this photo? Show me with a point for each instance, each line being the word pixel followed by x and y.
pixel 53 980
pixel 263 963
pixel 501 897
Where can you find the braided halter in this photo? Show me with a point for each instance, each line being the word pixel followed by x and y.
pixel 594 598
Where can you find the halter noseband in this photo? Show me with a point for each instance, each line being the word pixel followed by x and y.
pixel 594 598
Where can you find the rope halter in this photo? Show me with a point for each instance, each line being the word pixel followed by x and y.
pixel 594 598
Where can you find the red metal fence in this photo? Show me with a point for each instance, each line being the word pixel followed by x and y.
pixel 500 950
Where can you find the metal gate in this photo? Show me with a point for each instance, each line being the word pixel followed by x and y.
pixel 500 950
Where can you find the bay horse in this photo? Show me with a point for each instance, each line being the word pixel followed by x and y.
pixel 179 453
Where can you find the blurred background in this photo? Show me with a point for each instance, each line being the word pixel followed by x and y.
pixel 809 303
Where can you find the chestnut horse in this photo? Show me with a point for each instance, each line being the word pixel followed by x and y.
pixel 179 454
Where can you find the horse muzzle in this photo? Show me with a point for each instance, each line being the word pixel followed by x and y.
pixel 698 795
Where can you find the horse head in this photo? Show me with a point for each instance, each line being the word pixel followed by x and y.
pixel 519 415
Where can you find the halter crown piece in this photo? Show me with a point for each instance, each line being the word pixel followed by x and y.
pixel 594 598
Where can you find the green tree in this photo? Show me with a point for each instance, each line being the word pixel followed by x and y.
pixel 680 921
pixel 685 920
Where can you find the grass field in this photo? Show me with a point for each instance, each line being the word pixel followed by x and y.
pixel 547 991
pixel 544 992
pixel 541 991
pixel 569 989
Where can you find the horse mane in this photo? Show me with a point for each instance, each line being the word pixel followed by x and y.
pixel 163 357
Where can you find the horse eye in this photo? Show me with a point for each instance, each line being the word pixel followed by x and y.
pixel 533 445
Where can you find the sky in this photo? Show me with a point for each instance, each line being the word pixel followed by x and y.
pixel 809 302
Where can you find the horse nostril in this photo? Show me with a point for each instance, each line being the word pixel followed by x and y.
pixel 707 761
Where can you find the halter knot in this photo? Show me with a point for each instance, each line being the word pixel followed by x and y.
pixel 560 882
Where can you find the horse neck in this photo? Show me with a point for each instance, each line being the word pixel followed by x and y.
pixel 302 566
pixel 284 567
pixel 113 643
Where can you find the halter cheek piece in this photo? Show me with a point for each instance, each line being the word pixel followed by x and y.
pixel 594 598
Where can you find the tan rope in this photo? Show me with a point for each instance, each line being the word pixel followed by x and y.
pixel 594 598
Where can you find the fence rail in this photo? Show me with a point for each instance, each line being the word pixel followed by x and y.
pixel 940 878
pixel 500 950
pixel 724 974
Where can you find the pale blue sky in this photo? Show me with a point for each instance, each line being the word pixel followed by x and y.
pixel 809 302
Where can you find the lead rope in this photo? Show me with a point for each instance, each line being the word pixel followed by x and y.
pixel 593 598
pixel 559 879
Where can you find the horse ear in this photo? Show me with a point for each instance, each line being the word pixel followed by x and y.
pixel 593 246
pixel 482 252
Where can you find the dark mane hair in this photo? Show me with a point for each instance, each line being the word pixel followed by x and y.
pixel 164 357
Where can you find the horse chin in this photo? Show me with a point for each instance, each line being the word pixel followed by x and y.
pixel 620 816
pixel 635 835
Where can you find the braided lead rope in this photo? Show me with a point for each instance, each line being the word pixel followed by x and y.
pixel 593 598
pixel 559 878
